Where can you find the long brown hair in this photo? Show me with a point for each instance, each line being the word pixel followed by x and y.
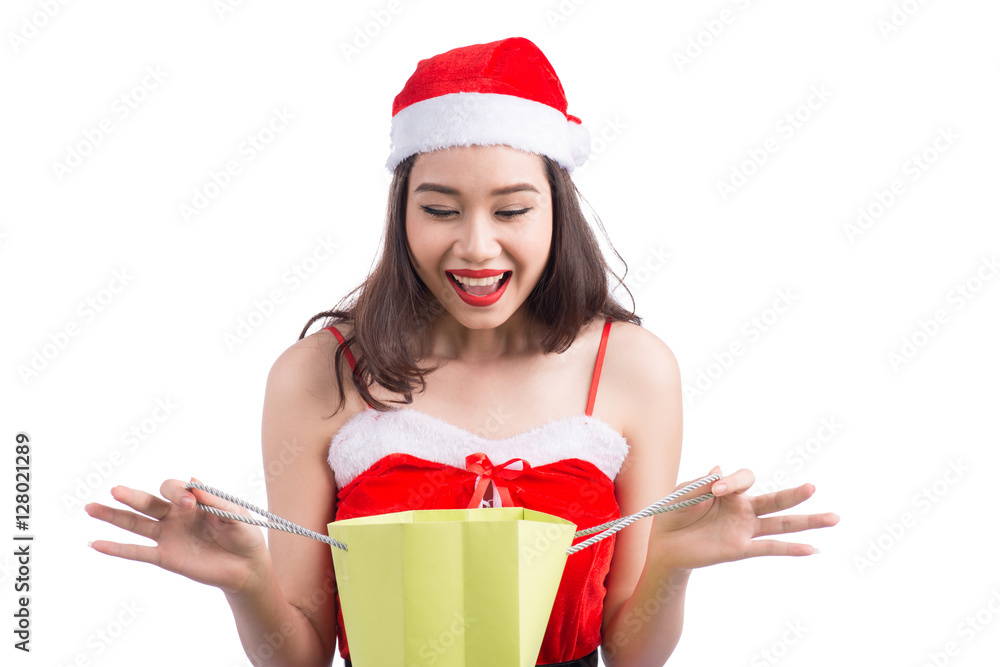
pixel 393 306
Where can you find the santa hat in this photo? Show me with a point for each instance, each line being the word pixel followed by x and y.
pixel 504 92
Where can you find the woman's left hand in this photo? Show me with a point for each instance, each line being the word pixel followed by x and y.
pixel 722 528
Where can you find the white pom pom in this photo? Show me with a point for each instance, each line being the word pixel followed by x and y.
pixel 579 139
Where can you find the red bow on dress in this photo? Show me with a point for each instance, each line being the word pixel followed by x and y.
pixel 481 465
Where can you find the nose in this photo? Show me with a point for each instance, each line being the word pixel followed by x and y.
pixel 477 238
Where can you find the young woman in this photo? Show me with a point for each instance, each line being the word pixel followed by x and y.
pixel 489 316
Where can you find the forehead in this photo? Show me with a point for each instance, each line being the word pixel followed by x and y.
pixel 479 168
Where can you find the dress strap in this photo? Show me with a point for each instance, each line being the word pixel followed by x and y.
pixel 350 357
pixel 347 351
pixel 597 367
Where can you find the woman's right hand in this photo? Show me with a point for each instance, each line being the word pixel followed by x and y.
pixel 203 547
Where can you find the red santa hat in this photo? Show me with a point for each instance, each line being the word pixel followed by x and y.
pixel 504 92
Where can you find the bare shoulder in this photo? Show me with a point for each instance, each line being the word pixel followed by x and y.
pixel 304 375
pixel 635 341
pixel 636 354
pixel 641 372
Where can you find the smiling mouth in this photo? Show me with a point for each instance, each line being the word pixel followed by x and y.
pixel 482 290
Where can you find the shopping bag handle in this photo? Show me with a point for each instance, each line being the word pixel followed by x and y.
pixel 275 522
pixel 664 504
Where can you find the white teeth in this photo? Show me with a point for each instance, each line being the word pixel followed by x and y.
pixel 478 281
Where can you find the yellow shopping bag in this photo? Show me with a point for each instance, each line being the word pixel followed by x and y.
pixel 449 588
pixel 446 588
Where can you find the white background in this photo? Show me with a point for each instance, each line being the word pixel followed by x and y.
pixel 667 133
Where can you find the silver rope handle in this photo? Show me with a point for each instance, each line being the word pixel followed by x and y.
pixel 610 528
pixel 275 523
pixel 660 506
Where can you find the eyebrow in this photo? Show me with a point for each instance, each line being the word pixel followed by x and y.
pixel 445 190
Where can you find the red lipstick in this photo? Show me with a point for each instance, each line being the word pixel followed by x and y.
pixel 472 299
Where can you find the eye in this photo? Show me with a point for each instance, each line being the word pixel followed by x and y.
pixel 513 214
pixel 437 212
pixel 444 213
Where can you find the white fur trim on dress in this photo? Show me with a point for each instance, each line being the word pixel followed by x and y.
pixel 464 119
pixel 372 435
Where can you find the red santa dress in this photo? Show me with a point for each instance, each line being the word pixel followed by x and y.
pixel 406 460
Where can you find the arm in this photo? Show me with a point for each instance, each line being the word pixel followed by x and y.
pixel 289 615
pixel 282 597
pixel 644 604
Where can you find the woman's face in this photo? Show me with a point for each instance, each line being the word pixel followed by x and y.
pixel 479 208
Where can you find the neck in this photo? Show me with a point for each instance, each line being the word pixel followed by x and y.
pixel 452 340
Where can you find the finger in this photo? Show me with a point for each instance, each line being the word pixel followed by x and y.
pixel 738 482
pixel 778 525
pixel 174 490
pixel 177 489
pixel 777 548
pixel 697 491
pixel 130 521
pixel 141 501
pixel 127 551
pixel 782 500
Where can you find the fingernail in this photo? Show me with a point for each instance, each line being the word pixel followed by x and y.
pixel 720 488
pixel 815 550
pixel 90 544
pixel 187 501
